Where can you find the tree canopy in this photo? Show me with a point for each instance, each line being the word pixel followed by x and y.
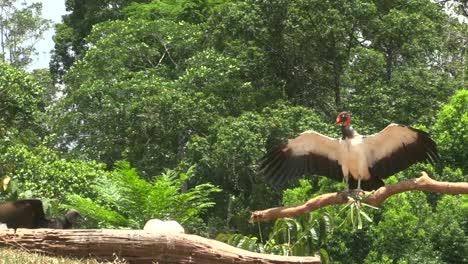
pixel 21 26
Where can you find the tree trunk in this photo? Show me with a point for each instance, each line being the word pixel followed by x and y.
pixel 389 64
pixel 136 246
pixel 337 83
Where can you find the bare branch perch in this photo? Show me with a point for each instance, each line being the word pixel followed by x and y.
pixel 423 183
pixel 137 246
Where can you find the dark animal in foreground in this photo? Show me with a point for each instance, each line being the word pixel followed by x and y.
pixel 30 214
pixel 353 157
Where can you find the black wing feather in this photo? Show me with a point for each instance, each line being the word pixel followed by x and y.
pixel 306 154
pixel 421 149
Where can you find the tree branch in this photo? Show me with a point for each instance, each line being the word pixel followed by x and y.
pixel 423 183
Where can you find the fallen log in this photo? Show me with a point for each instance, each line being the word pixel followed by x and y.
pixel 136 246
pixel 422 183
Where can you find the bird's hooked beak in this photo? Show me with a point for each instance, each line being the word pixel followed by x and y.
pixel 338 120
pixel 344 118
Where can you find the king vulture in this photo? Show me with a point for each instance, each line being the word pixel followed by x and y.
pixel 362 161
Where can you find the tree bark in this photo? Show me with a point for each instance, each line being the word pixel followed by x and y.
pixel 423 183
pixel 136 246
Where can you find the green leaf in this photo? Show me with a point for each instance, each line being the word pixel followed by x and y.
pixel 365 215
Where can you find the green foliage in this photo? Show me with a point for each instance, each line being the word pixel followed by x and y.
pixel 223 77
pixel 20 101
pixel 450 234
pixel 311 51
pixel 115 85
pixel 155 121
pixel 213 85
pixel 398 100
pixel 355 210
pixel 76 26
pixel 406 29
pixel 40 172
pixel 302 236
pixel 229 154
pixel 242 241
pixel 401 232
pixel 44 79
pixel 242 140
pixel 163 125
pixel 124 199
pixel 21 27
pixel 120 48
pixel 451 131
pixel 389 74
pixel 177 10
pixel 298 195
pixel 290 237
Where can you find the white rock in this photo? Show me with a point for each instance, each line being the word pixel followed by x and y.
pixel 158 226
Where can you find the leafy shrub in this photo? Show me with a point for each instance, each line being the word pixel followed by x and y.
pixel 124 199
pixel 305 235
pixel 451 131
pixel 302 236
pixel 40 172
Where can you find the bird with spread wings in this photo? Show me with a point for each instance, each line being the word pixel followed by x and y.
pixel 362 161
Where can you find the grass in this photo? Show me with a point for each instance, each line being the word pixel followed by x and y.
pixel 19 256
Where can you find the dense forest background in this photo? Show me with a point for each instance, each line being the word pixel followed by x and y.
pixel 163 108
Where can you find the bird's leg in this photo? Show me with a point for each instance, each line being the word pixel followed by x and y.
pixel 358 190
pixel 347 184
